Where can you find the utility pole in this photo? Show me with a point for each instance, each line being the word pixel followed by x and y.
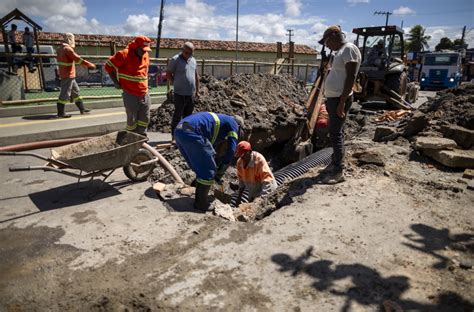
pixel 237 33
pixel 386 13
pixel 401 26
pixel 160 25
pixel 289 34
pixel 463 36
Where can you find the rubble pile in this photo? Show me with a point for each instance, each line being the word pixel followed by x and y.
pixel 442 128
pixel 271 105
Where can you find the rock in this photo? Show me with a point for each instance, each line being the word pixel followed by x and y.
pixel 463 136
pixel 456 158
pixel 433 143
pixel 237 103
pixel 415 124
pixel 470 185
pixel 187 191
pixel 468 174
pixel 224 211
pixel 465 264
pixel 385 133
pixel 369 156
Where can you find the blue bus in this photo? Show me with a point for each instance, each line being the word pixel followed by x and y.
pixel 441 70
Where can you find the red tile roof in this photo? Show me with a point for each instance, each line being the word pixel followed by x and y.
pixel 171 43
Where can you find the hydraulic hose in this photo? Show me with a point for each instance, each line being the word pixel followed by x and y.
pixel 292 171
pixel 166 165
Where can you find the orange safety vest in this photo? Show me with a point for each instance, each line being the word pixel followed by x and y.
pixel 132 72
pixel 67 59
pixel 257 170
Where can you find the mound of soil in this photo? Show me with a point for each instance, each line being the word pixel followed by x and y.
pixel 271 105
pixel 452 106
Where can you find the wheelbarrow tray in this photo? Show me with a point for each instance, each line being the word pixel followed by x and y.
pixel 105 152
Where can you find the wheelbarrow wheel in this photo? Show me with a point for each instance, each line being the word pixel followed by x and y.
pixel 139 174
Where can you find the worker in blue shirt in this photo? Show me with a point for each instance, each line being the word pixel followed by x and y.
pixel 198 136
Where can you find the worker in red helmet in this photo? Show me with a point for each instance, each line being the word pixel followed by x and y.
pixel 253 172
pixel 128 69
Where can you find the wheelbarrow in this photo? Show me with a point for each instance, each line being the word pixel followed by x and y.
pixel 100 157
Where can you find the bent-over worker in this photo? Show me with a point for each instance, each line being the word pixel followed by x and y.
pixel 67 60
pixel 128 69
pixel 253 172
pixel 198 137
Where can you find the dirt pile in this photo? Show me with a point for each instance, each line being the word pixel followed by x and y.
pixel 271 105
pixel 452 106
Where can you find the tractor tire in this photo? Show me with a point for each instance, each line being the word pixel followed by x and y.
pixel 397 82
pixel 139 174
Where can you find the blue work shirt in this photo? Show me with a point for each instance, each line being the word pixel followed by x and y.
pixel 204 124
pixel 184 74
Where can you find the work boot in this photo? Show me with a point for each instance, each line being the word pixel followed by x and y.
pixel 61 113
pixel 334 178
pixel 82 109
pixel 201 201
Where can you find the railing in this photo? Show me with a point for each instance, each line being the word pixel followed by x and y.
pixel 24 88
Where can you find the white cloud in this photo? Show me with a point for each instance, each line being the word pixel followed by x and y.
pixel 45 8
pixel 293 7
pixel 356 2
pixel 403 10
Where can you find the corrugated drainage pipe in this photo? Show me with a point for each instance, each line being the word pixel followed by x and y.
pixel 294 170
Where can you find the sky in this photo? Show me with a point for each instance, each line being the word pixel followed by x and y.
pixel 262 21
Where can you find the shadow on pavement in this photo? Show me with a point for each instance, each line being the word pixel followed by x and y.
pixel 69 195
pixel 368 286
pixel 430 240
pixel 40 117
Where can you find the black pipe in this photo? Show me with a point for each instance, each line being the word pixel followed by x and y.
pixel 292 171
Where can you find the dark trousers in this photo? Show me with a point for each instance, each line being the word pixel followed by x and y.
pixel 336 130
pixel 183 107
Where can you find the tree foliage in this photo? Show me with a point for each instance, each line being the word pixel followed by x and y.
pixel 417 40
pixel 444 44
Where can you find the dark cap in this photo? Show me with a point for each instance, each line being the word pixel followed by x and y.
pixel 334 29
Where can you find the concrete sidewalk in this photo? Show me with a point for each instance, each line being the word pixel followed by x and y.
pixel 16 130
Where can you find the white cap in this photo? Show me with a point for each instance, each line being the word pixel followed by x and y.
pixel 188 45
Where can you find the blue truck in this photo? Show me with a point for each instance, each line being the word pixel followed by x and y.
pixel 441 70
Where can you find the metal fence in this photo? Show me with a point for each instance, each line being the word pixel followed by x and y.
pixel 33 79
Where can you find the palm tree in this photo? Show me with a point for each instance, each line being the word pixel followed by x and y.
pixel 417 41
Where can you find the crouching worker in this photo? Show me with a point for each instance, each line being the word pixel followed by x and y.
pixel 253 172
pixel 198 136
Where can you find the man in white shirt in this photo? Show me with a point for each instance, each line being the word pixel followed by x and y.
pixel 338 92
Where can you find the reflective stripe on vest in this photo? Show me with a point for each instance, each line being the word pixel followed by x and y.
pixel 133 78
pixel 217 126
pixel 232 134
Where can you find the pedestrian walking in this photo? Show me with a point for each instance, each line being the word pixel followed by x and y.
pixel 67 59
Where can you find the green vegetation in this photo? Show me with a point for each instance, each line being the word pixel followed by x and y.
pixel 417 40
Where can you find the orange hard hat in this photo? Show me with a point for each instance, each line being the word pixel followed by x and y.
pixel 242 148
pixel 143 41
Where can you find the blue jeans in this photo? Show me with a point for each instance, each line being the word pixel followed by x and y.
pixel 336 130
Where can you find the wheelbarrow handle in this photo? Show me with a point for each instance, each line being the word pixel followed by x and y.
pixel 7 153
pixel 19 168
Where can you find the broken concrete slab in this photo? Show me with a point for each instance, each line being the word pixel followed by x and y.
pixel 468 174
pixel 415 124
pixel 385 133
pixel 463 136
pixel 456 158
pixel 434 143
pixel 223 210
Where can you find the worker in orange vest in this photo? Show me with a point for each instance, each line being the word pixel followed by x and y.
pixel 253 172
pixel 67 60
pixel 128 69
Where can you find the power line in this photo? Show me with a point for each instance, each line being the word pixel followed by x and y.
pixel 386 13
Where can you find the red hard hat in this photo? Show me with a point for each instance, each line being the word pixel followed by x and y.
pixel 242 148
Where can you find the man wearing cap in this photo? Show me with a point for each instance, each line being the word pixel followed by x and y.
pixel 338 92
pixel 198 137
pixel 182 72
pixel 253 172
pixel 128 69
pixel 67 59
pixel 376 54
